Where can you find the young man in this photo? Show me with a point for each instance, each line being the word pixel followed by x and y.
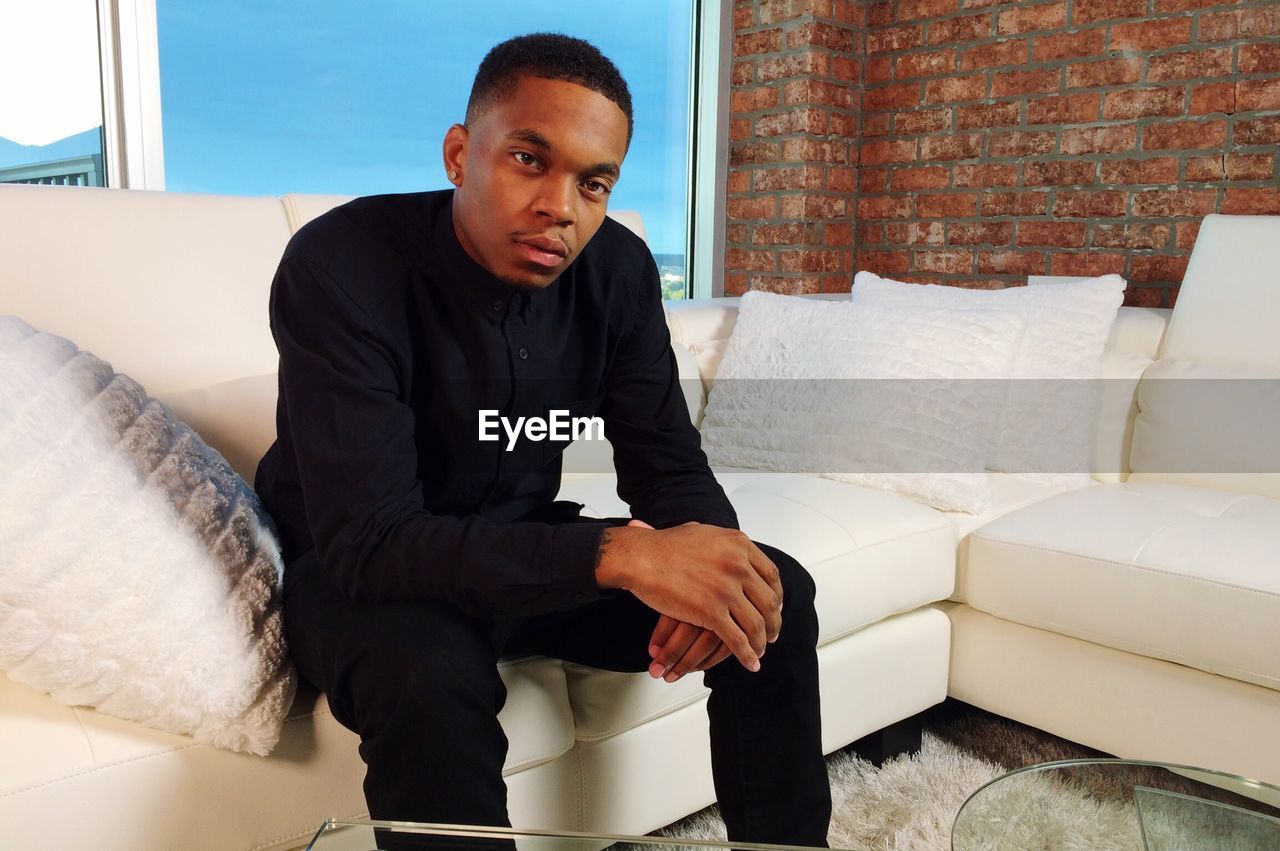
pixel 418 553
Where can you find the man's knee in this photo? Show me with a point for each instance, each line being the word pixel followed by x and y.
pixel 798 588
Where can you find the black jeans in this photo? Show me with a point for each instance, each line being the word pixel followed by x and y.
pixel 419 684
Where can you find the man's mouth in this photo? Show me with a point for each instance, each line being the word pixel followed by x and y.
pixel 543 250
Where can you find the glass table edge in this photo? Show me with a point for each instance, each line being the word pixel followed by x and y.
pixel 500 832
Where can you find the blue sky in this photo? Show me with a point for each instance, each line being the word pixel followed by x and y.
pixel 333 96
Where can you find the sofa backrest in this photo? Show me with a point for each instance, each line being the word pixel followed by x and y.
pixel 1210 407
pixel 703 328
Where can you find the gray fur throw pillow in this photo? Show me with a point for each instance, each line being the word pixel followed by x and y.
pixel 138 574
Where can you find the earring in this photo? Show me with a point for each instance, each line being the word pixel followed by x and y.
pixel 453 175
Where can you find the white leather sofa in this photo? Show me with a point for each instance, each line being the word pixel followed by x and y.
pixel 172 290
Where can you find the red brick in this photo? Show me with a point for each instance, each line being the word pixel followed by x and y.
pixel 1190 65
pixel 739 129
pixel 928 177
pixel 744 16
pixel 735 284
pixel 793 121
pixel 1053 234
pixel 1023 203
pixel 881 13
pixel 950 262
pixel 810 261
pixel 1151 34
pixel 1260 58
pixel 915 10
pixel 1089 264
pixel 1184 135
pixel 922 121
pixel 785 284
pixel 841 179
pixel 791 233
pixel 1024 82
pixel 1252 202
pixel 752 208
pixel 1019 143
pixel 1258 131
pixel 980 233
pixel 952 89
pixel 1088 11
pixel 987 174
pixel 947 206
pixel 1213 97
pixel 1187 233
pixel 1250 166
pixel 791 177
pixel 846 68
pixel 1059 173
pixel 1099 140
pixel 1143 297
pixel 888 151
pixel 924 64
pixel 875 124
pixel 1163 203
pixel 738 182
pixel 1252 95
pixel 776 11
pixel 1128 104
pixel 997 54
pixel 743 73
pixel 879 70
pixel 1148 268
pixel 980 4
pixel 1068 45
pixel 1164 6
pixel 987 115
pixel 884 262
pixel 814 206
pixel 753 99
pixel 1065 109
pixel 1023 19
pixel 894 39
pixel 954 30
pixel 764 41
pixel 1109 72
pixel 916 233
pixel 817 92
pixel 873 180
pixel 897 96
pixel 1011 263
pixel 749 260
pixel 1134 235
pixel 1091 204
pixel 807 64
pixel 838 234
pixel 814 150
pixel 818 34
pixel 735 234
pixel 1226 26
pixel 952 147
pixel 1130 172
pixel 889 207
pixel 753 154
pixel 1206 169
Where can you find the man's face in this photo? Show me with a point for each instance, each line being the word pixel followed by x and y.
pixel 534 173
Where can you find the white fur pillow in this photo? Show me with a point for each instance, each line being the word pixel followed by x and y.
pixel 138 574
pixel 905 400
pixel 1047 427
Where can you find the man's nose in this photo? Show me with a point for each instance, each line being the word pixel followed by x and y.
pixel 556 199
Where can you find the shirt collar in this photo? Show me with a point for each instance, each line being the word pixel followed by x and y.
pixel 489 294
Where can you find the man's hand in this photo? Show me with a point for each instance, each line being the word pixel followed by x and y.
pixel 704 576
pixel 680 648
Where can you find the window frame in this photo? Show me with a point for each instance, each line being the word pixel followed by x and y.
pixel 133 132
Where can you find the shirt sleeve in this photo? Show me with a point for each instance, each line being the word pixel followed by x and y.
pixel 351 429
pixel 662 471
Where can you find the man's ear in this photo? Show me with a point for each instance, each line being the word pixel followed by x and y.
pixel 455 153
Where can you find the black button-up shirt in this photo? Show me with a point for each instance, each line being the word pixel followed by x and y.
pixel 392 341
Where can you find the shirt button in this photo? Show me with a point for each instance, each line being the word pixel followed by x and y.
pixel 497 306
pixel 524 353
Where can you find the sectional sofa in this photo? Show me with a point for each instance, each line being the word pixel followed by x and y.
pixel 1137 615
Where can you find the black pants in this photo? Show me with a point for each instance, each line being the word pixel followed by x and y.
pixel 419 684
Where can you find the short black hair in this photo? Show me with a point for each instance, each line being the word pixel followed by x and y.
pixel 552 56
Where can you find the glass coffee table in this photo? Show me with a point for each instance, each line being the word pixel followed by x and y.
pixel 1105 804
pixel 366 835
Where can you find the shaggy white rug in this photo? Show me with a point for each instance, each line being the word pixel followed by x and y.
pixel 910 803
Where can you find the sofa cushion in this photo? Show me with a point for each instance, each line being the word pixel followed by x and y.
pixel 1177 573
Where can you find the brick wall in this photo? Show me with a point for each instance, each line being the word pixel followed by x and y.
pixel 995 140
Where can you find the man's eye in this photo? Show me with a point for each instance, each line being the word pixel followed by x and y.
pixel 525 158
pixel 595 187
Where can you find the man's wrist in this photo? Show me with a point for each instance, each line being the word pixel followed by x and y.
pixel 614 557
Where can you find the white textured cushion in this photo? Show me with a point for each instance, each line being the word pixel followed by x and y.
pixel 1209 426
pixel 904 400
pixel 1048 423
pixel 1184 574
pixel 137 572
